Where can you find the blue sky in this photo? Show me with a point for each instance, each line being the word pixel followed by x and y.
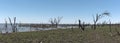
pixel 40 11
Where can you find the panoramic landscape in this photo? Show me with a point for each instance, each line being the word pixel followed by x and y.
pixel 59 21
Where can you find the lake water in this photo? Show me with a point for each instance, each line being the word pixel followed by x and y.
pixel 20 29
pixel 26 29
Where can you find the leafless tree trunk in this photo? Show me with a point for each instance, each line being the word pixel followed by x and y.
pixel 6 29
pixel 13 25
pixel 52 22
pixel 97 17
pixel 81 25
pixel 55 21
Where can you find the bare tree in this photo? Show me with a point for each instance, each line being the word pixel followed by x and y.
pixel 55 21
pixel 6 26
pixel 52 22
pixel 81 25
pixel 13 25
pixel 97 17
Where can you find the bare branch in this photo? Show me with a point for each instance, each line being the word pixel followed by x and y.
pixel 55 21
pixel 98 17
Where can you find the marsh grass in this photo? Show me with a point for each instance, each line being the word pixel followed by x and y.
pixel 100 35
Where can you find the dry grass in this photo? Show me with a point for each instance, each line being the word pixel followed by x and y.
pixel 100 35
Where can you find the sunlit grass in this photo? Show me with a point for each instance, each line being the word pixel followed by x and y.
pixel 100 35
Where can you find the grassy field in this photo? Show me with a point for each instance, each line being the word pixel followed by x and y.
pixel 100 35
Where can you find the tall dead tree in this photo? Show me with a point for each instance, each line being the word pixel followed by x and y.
pixel 13 25
pixel 55 21
pixel 6 27
pixel 97 17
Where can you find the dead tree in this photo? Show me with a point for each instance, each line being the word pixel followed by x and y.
pixel 97 17
pixel 6 29
pixel 55 21
pixel 13 25
pixel 52 22
pixel 81 25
